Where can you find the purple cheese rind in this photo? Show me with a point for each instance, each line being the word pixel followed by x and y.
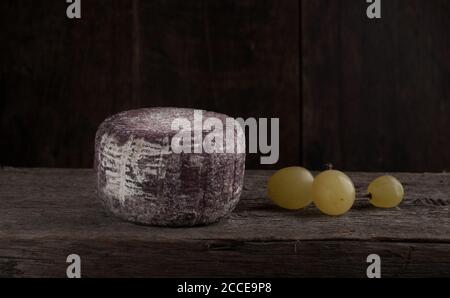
pixel 141 180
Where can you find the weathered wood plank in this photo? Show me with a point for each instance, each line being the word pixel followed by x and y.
pixel 47 214
pixel 209 258
pixel 60 202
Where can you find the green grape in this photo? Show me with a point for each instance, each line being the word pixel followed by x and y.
pixel 385 192
pixel 290 188
pixel 333 192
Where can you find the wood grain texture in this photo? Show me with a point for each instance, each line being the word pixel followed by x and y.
pixel 376 92
pixel 320 81
pixel 61 78
pixel 47 214
pixel 239 58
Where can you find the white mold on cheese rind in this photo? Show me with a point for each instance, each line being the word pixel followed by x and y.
pixel 141 180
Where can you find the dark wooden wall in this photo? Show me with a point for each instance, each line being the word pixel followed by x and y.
pixel 376 94
pixel 372 95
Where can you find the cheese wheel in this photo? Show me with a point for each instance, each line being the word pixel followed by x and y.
pixel 141 179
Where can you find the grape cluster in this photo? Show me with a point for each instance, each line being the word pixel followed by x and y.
pixel 332 191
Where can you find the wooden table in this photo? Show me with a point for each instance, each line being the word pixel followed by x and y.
pixel 47 214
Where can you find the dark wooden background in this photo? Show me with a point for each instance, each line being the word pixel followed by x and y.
pixel 367 95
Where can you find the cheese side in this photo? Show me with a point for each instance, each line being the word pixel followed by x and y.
pixel 141 179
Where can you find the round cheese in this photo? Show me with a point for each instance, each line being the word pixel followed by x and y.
pixel 141 178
